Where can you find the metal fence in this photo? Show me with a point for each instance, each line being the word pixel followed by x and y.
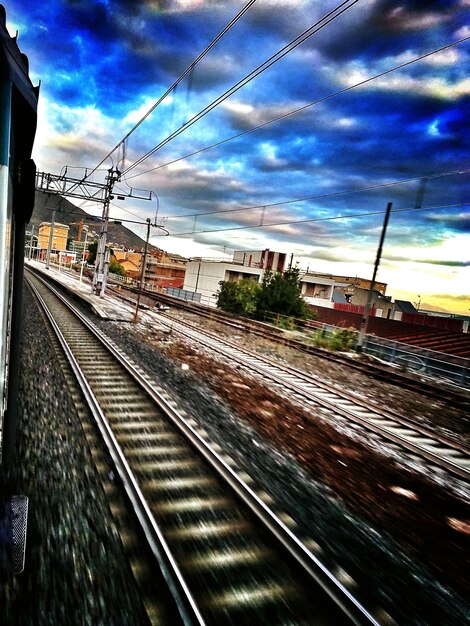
pixel 191 296
pixel 420 360
pixel 412 358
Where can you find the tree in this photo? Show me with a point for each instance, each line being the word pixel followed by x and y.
pixel 238 297
pixel 280 293
pixel 116 268
pixel 277 294
pixel 92 248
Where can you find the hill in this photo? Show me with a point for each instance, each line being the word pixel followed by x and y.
pixel 68 213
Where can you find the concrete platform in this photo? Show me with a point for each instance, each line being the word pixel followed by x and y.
pixel 107 308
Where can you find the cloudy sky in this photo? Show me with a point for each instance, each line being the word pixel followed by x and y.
pixel 314 146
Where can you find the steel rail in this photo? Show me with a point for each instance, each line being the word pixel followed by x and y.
pixel 186 604
pixel 263 366
pixel 290 542
pixel 455 395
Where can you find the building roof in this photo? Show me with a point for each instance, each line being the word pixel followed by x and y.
pixel 338 297
pixel 56 225
pixel 404 306
pixel 316 279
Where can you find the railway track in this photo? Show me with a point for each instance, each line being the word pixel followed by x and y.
pixel 455 397
pixel 225 555
pixel 336 402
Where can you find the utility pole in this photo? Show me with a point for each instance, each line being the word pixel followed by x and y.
pixel 31 242
pixel 365 318
pixel 197 277
pixel 65 186
pixel 49 243
pixel 102 255
pixel 142 274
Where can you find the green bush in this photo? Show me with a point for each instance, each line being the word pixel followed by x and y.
pixel 344 339
pixel 320 339
pixel 286 323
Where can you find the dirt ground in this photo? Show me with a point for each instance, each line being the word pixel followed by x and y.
pixel 427 513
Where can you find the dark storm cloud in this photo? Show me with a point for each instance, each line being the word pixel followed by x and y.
pixel 377 30
pixel 445 263
pixel 458 222
pixel 80 41
pixel 464 298
pixel 397 14
pixel 110 51
pixel 95 18
pixel 433 130
pixel 199 190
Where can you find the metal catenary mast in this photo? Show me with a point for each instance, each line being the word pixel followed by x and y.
pixel 84 189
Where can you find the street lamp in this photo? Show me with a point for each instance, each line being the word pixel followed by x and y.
pixel 31 242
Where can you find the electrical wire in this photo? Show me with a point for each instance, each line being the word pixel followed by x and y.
pixel 322 219
pixel 322 23
pixel 327 195
pixel 303 108
pixel 187 71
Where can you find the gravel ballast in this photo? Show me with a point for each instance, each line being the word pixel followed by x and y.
pixel 75 572
pixel 72 556
pixel 380 551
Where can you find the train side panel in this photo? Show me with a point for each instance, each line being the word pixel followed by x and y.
pixel 18 118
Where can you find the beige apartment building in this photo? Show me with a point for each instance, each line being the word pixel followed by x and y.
pixel 130 261
pixel 161 269
pixel 60 233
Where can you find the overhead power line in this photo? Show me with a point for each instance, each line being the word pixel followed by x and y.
pixel 326 195
pixel 187 71
pixel 322 219
pixel 303 107
pixel 319 25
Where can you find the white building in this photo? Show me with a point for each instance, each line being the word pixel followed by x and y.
pixel 317 289
pixel 204 275
pixel 262 259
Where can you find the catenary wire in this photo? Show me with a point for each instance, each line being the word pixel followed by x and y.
pixel 187 71
pixel 322 219
pixel 303 108
pixel 322 23
pixel 305 198
pixel 327 195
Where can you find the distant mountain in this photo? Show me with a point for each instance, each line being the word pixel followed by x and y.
pixel 68 213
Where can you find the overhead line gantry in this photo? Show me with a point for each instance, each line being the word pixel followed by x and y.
pixel 86 189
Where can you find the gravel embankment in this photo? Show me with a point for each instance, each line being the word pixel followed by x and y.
pixel 75 573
